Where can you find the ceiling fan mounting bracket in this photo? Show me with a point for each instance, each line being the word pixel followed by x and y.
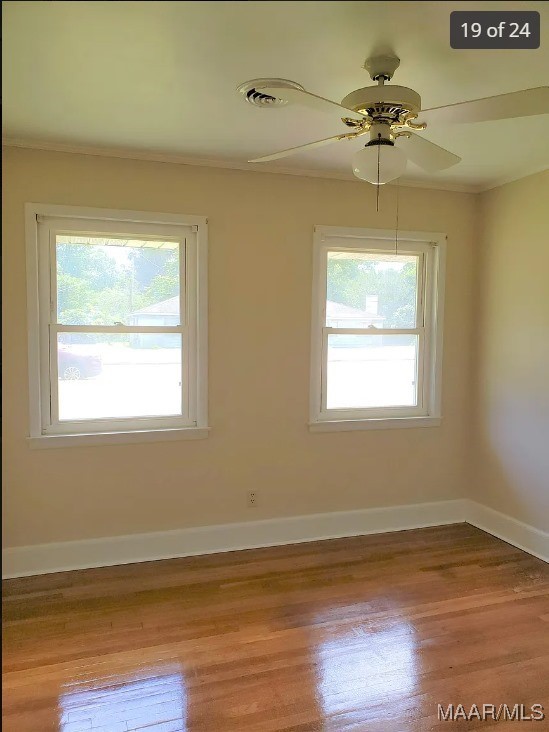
pixel 408 122
pixel 356 123
pixel 381 67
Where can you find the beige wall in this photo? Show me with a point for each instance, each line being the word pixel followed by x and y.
pixel 512 419
pixel 260 301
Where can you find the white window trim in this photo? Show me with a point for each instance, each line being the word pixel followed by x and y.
pixel 429 415
pixel 133 430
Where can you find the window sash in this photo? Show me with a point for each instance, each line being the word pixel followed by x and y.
pixel 378 411
pixel 54 228
pixel 371 331
pixel 428 310
pixel 380 249
pixel 53 425
pixel 48 230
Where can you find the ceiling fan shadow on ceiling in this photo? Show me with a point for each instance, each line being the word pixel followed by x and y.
pixel 389 115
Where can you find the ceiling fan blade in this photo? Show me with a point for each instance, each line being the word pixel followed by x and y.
pixel 524 103
pixel 297 96
pixel 300 148
pixel 426 154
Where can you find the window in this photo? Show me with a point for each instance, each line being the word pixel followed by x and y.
pixel 377 329
pixel 117 325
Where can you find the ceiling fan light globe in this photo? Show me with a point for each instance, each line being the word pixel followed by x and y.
pixel 392 163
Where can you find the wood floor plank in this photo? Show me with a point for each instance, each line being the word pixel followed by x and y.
pixel 363 634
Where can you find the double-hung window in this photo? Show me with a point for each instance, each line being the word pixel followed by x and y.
pixel 377 329
pixel 117 325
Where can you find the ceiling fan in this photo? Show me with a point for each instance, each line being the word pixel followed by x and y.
pixel 388 113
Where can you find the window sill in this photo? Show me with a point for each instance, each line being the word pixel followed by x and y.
pixel 117 438
pixel 351 425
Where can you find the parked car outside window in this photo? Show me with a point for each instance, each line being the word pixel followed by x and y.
pixel 74 366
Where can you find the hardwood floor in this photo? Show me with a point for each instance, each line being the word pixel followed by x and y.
pixel 369 633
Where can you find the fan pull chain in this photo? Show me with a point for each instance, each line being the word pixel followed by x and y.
pixel 378 154
pixel 396 228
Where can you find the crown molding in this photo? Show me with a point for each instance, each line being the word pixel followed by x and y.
pixel 513 178
pixel 174 158
pixel 432 186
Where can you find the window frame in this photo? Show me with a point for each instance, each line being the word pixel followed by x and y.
pixel 190 233
pixel 431 248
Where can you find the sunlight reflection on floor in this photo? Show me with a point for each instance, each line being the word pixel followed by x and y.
pixel 121 704
pixel 364 667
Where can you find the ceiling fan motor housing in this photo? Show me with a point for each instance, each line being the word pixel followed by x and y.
pixel 384 103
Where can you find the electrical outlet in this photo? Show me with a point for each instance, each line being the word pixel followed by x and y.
pixel 252 499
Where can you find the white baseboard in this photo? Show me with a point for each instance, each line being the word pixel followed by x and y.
pixel 523 536
pixel 59 557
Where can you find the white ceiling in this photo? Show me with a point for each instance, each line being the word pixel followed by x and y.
pixel 160 77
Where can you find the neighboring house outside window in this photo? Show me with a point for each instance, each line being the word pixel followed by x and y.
pixel 165 312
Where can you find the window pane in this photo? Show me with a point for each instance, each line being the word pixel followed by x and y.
pixel 372 371
pixel 366 289
pixel 104 376
pixel 103 281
